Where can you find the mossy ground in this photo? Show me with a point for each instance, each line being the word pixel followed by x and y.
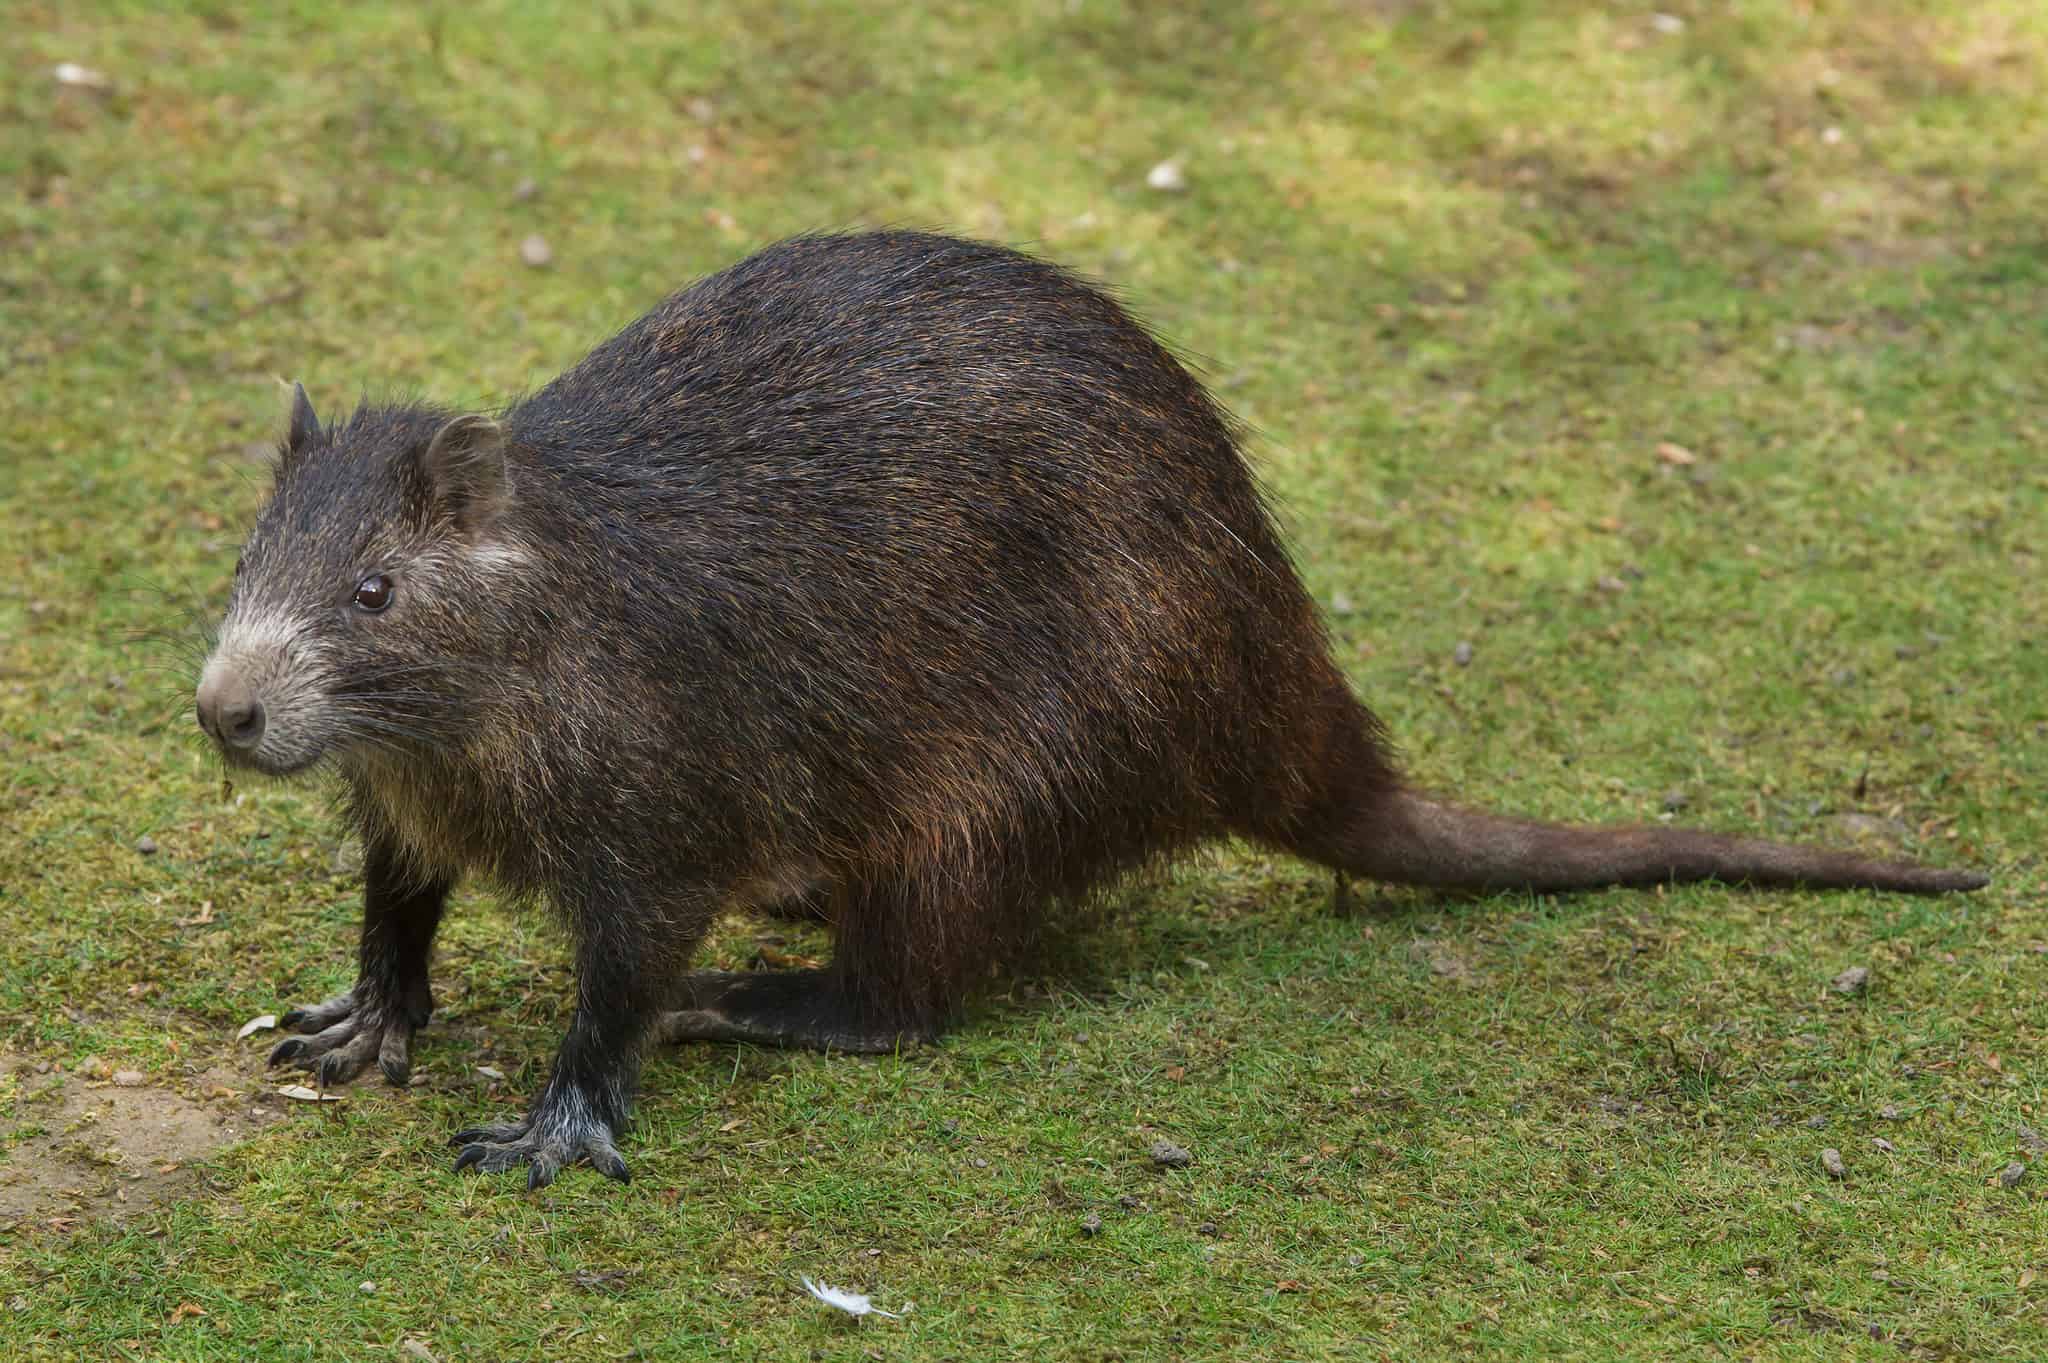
pixel 1464 268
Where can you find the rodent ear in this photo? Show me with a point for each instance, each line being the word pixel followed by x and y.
pixel 305 427
pixel 465 473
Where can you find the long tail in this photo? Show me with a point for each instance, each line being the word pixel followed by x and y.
pixel 1400 836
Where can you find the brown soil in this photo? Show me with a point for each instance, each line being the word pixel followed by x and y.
pixel 78 1148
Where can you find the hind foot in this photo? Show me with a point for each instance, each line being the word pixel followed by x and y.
pixel 780 1008
pixel 546 1142
pixel 347 1032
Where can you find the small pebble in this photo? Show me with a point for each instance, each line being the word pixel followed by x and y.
pixel 1167 1155
pixel 1831 1160
pixel 1815 1123
pixel 71 73
pixel 366 1288
pixel 1462 654
pixel 526 189
pixel 1206 1228
pixel 1167 176
pixel 2010 1176
pixel 128 1079
pixel 1091 1224
pixel 1128 1203
pixel 146 845
pixel 1852 980
pixel 535 251
pixel 1892 1112
pixel 1882 1144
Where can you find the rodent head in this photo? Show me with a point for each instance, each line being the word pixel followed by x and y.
pixel 361 615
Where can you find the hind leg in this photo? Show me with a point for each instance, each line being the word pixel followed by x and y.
pixel 903 954
pixel 796 1008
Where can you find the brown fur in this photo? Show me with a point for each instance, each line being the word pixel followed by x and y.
pixel 903 576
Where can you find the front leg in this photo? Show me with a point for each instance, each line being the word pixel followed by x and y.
pixel 582 1109
pixel 391 999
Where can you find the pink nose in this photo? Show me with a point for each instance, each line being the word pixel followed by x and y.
pixel 229 712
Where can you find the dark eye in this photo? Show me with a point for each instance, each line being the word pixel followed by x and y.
pixel 373 593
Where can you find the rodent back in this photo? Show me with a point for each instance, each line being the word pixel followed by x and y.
pixel 903 506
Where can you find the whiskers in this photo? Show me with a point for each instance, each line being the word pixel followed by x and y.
pixel 407 709
pixel 168 652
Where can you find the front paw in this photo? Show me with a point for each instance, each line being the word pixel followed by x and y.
pixel 345 1034
pixel 547 1142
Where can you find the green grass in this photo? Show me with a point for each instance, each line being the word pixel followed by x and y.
pixel 1463 267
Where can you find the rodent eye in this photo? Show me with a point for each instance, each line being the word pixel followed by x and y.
pixel 373 593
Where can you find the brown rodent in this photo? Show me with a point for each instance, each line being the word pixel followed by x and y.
pixel 896 574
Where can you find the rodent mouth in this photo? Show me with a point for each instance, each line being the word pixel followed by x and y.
pixel 267 764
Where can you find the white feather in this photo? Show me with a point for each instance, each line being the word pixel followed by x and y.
pixel 853 1303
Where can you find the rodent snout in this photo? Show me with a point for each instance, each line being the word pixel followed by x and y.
pixel 229 711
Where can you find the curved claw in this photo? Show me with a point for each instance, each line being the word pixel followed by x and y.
pixel 343 1035
pixel 544 1147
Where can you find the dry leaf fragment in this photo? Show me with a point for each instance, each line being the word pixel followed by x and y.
pixel 299 1093
pixel 1290 1285
pixel 197 920
pixel 262 1022
pixel 1176 1072
pixel 186 1310
pixel 732 1125
pixel 1678 456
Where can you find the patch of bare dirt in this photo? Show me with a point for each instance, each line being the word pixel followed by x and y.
pixel 77 1149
